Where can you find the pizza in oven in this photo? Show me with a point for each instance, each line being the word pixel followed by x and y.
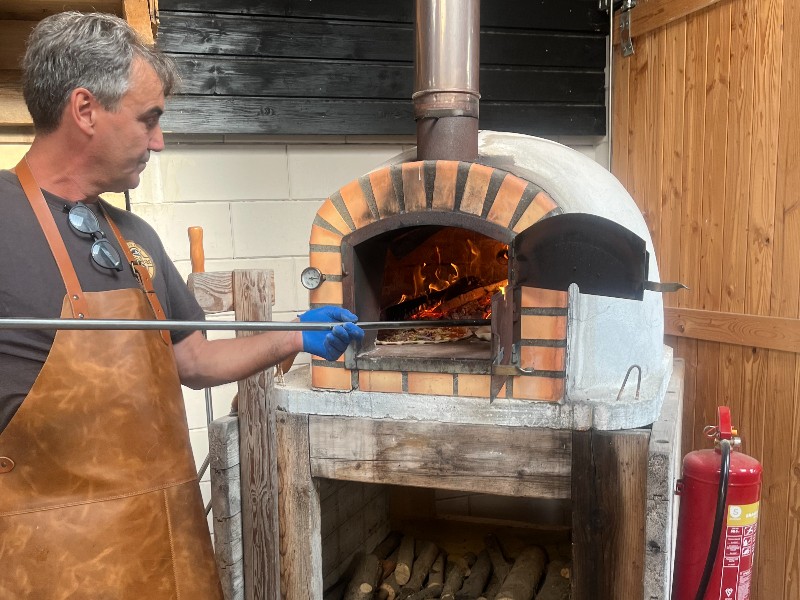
pixel 423 335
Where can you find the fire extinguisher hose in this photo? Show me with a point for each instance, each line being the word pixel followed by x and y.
pixel 719 517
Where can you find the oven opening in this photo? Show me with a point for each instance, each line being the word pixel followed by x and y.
pixel 428 272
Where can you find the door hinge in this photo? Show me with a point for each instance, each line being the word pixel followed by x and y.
pixel 625 26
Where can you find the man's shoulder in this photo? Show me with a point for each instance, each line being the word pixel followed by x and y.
pixel 9 182
pixel 12 198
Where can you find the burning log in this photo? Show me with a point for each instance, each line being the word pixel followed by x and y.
pixel 556 583
pixel 365 579
pixel 405 560
pixel 521 582
pixel 420 570
pixel 416 306
pixel 499 563
pixel 479 575
pixel 478 295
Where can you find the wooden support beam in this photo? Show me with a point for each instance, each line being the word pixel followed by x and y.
pixel 300 512
pixel 214 290
pixel 510 461
pixel 649 15
pixel 18 17
pixel 39 9
pixel 252 294
pixel 609 482
pixel 137 14
pixel 12 107
pixel 773 333
pixel 13 36
pixel 226 503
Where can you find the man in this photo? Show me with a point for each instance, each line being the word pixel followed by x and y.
pixel 98 494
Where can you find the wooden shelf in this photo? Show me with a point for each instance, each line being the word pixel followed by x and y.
pixel 18 17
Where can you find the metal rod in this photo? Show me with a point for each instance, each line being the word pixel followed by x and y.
pixel 135 324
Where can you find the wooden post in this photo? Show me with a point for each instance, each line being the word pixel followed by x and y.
pixel 300 516
pixel 226 503
pixel 252 292
pixel 609 484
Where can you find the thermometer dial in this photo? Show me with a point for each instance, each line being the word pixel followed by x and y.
pixel 311 278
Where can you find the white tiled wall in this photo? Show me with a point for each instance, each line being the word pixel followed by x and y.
pixel 255 200
pixel 255 203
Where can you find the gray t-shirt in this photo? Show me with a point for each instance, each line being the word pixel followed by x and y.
pixel 31 285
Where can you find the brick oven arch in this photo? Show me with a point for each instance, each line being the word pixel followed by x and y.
pixel 486 199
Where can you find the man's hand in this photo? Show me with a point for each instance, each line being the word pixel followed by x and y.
pixel 330 344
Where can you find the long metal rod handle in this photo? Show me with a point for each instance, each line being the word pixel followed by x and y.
pixel 135 324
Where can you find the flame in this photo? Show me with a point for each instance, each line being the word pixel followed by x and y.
pixel 466 263
pixel 433 312
pixel 419 280
pixel 472 268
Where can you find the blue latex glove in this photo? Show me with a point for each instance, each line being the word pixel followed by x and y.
pixel 330 345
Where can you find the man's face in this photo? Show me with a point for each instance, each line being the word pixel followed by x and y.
pixel 124 138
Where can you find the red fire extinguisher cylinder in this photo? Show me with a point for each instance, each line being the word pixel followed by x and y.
pixel 699 492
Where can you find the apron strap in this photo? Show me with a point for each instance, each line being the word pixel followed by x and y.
pixel 140 272
pixel 77 301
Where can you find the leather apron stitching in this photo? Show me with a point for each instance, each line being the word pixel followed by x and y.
pixel 103 499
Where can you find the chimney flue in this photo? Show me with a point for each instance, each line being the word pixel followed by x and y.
pixel 446 97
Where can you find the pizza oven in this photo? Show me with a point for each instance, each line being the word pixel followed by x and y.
pixel 551 363
pixel 534 238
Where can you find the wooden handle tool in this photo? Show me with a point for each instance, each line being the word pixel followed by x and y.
pixel 196 252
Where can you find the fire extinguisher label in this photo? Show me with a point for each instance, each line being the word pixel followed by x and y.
pixel 738 551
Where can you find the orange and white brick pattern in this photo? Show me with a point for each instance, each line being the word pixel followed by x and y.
pixel 460 188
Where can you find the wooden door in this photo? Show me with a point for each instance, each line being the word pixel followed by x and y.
pixel 705 129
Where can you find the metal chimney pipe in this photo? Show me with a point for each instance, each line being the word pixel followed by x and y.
pixel 447 64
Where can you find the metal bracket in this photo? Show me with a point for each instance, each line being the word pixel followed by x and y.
pixel 625 27
pixel 625 381
pixel 510 370
pixel 671 286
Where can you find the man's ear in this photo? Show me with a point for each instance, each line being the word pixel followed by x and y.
pixel 82 110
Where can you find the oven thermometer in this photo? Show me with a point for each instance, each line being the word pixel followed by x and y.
pixel 311 278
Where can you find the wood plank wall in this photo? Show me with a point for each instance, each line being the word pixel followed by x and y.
pixel 346 67
pixel 705 137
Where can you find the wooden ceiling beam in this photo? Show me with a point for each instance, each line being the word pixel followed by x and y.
pixel 649 15
pixel 18 17
pixel 25 10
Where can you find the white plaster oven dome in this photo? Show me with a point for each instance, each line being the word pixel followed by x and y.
pixel 606 336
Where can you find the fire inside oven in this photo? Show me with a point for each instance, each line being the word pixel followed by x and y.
pixel 429 272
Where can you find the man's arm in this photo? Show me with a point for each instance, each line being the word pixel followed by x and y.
pixel 203 363
pixel 206 363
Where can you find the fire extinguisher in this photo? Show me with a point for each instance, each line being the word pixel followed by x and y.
pixel 718 520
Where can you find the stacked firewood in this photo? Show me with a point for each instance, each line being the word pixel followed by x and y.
pixel 402 568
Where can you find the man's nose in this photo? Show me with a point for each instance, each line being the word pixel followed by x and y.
pixel 156 140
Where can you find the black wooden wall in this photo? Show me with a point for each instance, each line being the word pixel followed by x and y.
pixel 297 67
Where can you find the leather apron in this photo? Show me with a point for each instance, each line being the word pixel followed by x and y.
pixel 98 492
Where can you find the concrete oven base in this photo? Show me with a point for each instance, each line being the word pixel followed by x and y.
pixel 619 483
pixel 636 408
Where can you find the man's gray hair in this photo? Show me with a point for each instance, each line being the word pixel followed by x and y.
pixel 95 51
